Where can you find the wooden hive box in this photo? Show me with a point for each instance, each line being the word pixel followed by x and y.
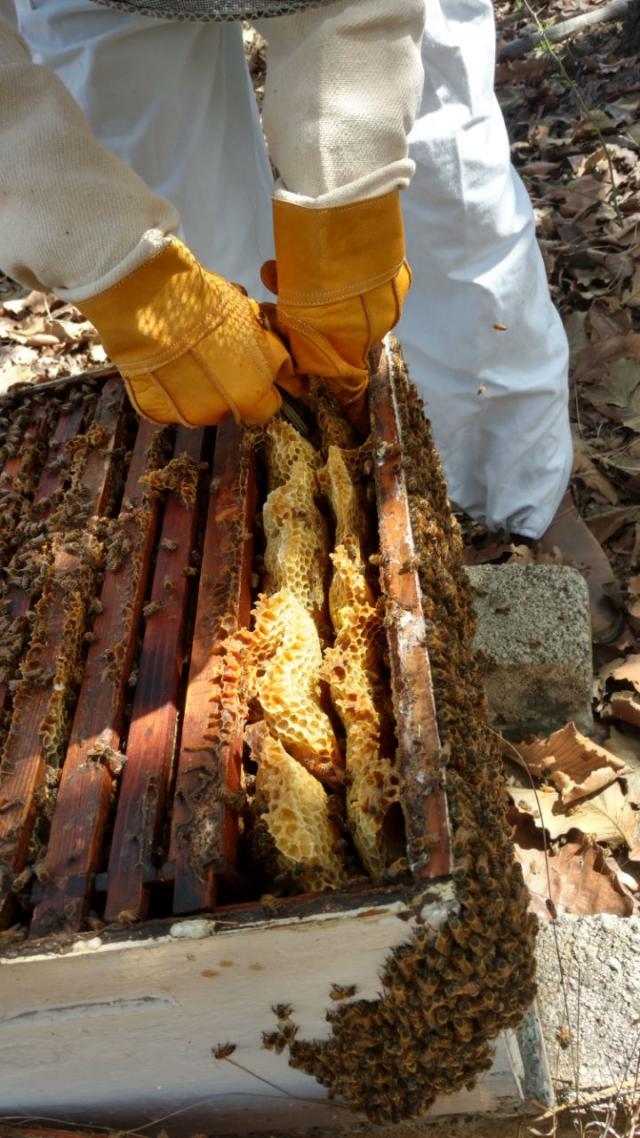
pixel 141 974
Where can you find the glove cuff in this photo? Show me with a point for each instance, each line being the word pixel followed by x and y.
pixel 329 255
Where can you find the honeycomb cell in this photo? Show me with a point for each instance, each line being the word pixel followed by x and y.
pixel 352 670
pixel 348 587
pixel 281 662
pixel 295 808
pixel 297 543
pixel 346 503
pixel 284 447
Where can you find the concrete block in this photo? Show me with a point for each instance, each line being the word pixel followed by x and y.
pixel 589 985
pixel 534 642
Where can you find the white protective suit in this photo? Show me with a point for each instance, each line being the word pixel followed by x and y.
pixel 185 118
pixel 174 99
pixel 498 400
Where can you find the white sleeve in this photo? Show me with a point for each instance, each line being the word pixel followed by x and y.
pixel 73 217
pixel 342 91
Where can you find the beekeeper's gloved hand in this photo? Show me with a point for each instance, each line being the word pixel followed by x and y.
pixel 341 278
pixel 191 347
pixel 78 222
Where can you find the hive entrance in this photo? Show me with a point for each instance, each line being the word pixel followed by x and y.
pixel 164 750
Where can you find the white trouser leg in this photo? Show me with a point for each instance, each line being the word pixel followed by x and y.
pixel 174 101
pixel 497 399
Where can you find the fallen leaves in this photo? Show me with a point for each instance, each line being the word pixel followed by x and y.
pixel 583 809
pixel 574 764
pixel 43 338
pixel 577 878
pixel 608 817
pixel 619 690
pixel 586 471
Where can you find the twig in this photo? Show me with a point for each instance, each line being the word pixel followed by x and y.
pixel 556 33
pixel 584 107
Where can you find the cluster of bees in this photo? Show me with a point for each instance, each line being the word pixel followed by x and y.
pixel 447 992
pixel 180 474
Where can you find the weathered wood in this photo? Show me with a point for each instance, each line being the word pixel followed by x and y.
pixel 55 638
pixel 82 806
pixel 18 478
pixel 418 754
pixel 39 711
pixel 204 829
pixel 152 732
pixel 17 600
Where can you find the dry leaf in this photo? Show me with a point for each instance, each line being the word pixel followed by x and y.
pixel 624 705
pixel 587 472
pixel 619 686
pixel 577 879
pixel 607 816
pixel 623 673
pixel 625 747
pixel 575 765
pixel 605 524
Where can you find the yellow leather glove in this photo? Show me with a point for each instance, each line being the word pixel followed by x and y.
pixel 341 279
pixel 190 346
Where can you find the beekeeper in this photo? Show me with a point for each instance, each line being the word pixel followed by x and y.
pixel 481 336
pixel 484 343
pixel 344 87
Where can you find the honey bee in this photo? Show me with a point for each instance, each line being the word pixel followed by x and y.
pixel 282 1011
pixel 152 607
pixel 223 1050
pixel 273 1041
pixel 342 991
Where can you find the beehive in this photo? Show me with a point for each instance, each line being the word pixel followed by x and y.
pixel 131 784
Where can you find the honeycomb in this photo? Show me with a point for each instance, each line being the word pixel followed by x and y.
pixel 349 589
pixel 283 655
pixel 352 670
pixel 297 549
pixel 296 810
pixel 282 658
pixel 337 483
pixel 284 447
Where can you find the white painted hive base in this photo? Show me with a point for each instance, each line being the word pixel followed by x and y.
pixel 122 1034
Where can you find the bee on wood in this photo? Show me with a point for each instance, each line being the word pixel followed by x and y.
pixel 342 991
pixel 273 1041
pixel 282 1011
pixel 288 1032
pixel 270 904
pixel 152 607
pixel 223 1050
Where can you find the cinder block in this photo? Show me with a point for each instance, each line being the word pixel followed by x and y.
pixel 534 643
